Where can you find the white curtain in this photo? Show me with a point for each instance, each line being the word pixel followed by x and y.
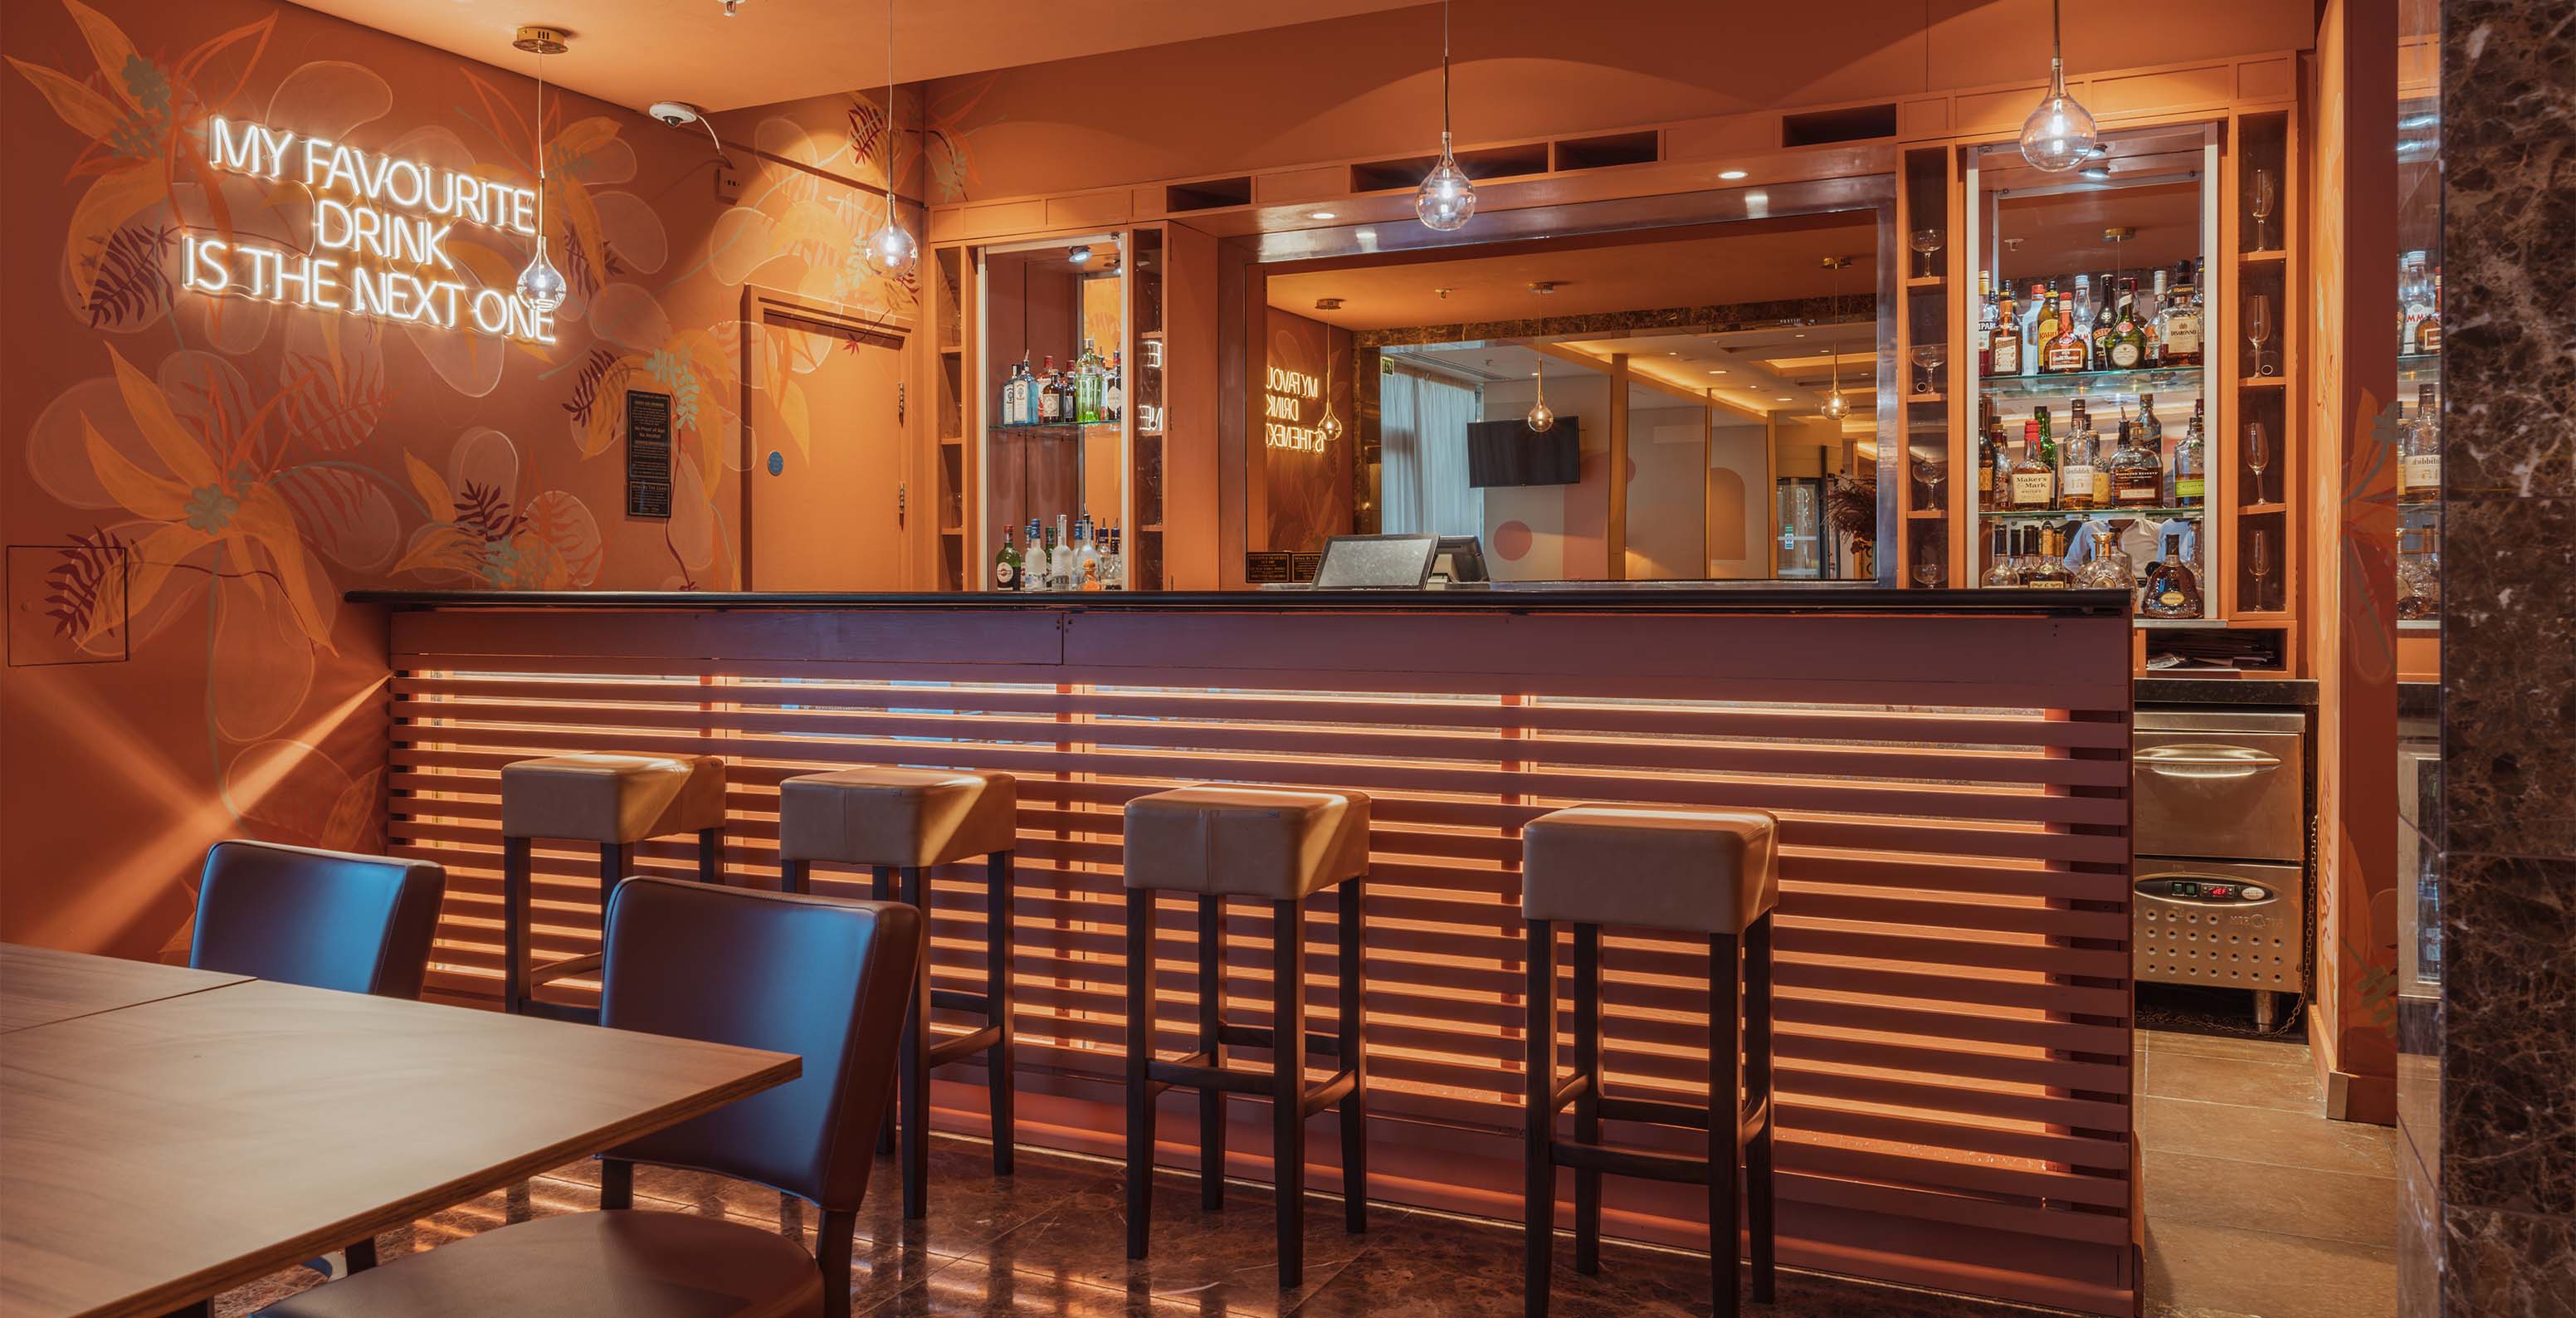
pixel 1422 455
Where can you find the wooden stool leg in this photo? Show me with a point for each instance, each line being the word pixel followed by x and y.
pixel 832 1249
pixel 1759 1205
pixel 361 1255
pixel 515 908
pixel 916 1064
pixel 999 1077
pixel 1538 1160
pixel 1354 1105
pixel 1724 1106
pixel 1211 988
pixel 881 888
pixel 1288 1090
pixel 1587 1105
pixel 616 1184
pixel 1140 1055
pixel 795 875
pixel 711 856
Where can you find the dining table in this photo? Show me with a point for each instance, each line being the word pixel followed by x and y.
pixel 167 1135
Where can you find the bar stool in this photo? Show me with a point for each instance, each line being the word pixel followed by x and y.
pixel 905 821
pixel 1278 846
pixel 1689 871
pixel 615 801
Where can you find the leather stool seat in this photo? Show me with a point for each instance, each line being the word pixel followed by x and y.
pixel 632 1263
pixel 897 817
pixel 612 798
pixel 1270 843
pixel 1692 871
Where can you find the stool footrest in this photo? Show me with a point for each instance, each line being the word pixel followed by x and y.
pixel 1262 1036
pixel 1653 1112
pixel 1195 1071
pixel 961 1000
pixel 1570 1089
pixel 1330 1092
pixel 551 971
pixel 949 1049
pixel 1618 1160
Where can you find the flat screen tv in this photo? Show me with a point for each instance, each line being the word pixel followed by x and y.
pixel 1508 452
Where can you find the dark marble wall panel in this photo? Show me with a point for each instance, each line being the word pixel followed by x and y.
pixel 2507 1149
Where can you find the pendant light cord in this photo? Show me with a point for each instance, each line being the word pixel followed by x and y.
pixel 2056 46
pixel 540 135
pixel 1444 77
pixel 890 132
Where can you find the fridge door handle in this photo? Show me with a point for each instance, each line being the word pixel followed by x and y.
pixel 2207 760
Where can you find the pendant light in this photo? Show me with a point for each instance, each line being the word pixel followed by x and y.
pixel 541 286
pixel 1446 200
pixel 2058 135
pixel 1836 406
pixel 890 248
pixel 1540 417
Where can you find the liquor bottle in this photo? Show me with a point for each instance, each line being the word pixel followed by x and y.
pixel 2084 304
pixel 2049 570
pixel 2137 477
pixel 2000 572
pixel 2066 353
pixel 2419 452
pixel 2097 341
pixel 1113 394
pixel 2150 431
pixel 2034 477
pixel 2127 344
pixel 1006 564
pixel 2190 469
pixel 1015 394
pixel 1990 442
pixel 1086 555
pixel 1986 315
pixel 2172 589
pixel 2045 325
pixel 2414 302
pixel 2428 334
pixel 2419 575
pixel 2003 352
pixel 1060 558
pixel 1113 561
pixel 2075 464
pixel 1032 559
pixel 2106 566
pixel 1050 394
pixel 2151 319
pixel 1044 570
pixel 1088 377
pixel 2178 325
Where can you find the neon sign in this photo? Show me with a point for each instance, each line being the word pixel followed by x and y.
pixel 380 228
pixel 1284 397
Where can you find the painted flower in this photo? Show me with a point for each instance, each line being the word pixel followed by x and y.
pixel 478 533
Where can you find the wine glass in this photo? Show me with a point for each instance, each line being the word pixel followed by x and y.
pixel 1932 469
pixel 2258 564
pixel 1928 358
pixel 1927 561
pixel 2258 454
pixel 1925 242
pixel 2266 195
pixel 2258 329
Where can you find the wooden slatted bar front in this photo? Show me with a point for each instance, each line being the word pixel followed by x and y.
pixel 1954 1002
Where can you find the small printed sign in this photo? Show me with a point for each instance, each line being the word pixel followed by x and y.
pixel 648 454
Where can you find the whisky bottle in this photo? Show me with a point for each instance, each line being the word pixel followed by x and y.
pixel 1006 564
pixel 2173 589
pixel 2034 477
pixel 2180 320
pixel 2137 478
pixel 2003 352
pixel 2066 350
pixel 1989 461
pixel 2000 572
pixel 2151 320
pixel 2075 461
pixel 2126 345
pixel 2049 570
pixel 1113 392
pixel 2428 333
pixel 2032 341
pixel 2419 452
pixel 2419 576
pixel 2190 471
pixel 1986 314
pixel 1050 390
pixel 2414 302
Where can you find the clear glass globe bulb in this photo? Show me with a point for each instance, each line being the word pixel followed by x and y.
pixel 890 249
pixel 1446 200
pixel 1332 427
pixel 1835 405
pixel 1540 417
pixel 2058 135
pixel 541 285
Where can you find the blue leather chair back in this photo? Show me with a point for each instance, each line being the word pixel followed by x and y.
pixel 325 919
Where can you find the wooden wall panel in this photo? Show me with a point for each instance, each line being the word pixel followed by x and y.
pixel 1954 996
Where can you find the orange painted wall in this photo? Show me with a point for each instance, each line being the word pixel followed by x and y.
pixel 1369 85
pixel 257 460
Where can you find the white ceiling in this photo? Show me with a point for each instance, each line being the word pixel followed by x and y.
pixel 635 52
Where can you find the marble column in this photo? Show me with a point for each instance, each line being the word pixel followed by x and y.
pixel 2507 824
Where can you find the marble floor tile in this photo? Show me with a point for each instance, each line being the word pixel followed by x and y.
pixel 2297 1201
pixel 2248 1134
pixel 2275 1276
pixel 1224 1261
pixel 2245 1083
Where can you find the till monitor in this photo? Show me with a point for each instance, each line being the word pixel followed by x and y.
pixel 1376 562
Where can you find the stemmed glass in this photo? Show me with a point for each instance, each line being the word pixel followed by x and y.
pixel 1932 469
pixel 1925 242
pixel 1927 561
pixel 2266 195
pixel 2258 564
pixel 1928 358
pixel 2258 330
pixel 2258 454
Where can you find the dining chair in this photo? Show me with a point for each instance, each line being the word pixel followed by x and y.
pixel 821 977
pixel 323 919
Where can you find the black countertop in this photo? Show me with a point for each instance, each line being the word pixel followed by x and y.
pixel 1639 597
pixel 2257 691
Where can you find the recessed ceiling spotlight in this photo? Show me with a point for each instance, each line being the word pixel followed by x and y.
pixel 1786 398
pixel 1319 215
pixel 2094 173
pixel 1079 256
pixel 732 8
pixel 1715 371
pixel 1730 175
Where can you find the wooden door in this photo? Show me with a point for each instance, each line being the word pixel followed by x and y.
pixel 827 484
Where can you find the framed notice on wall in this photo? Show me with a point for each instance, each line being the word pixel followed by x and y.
pixel 648 454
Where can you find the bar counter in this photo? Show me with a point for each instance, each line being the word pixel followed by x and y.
pixel 1951 772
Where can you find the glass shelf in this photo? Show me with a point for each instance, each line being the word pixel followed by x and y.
pixel 2074 384
pixel 2090 514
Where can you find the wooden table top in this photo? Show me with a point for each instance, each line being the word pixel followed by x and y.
pixel 160 1154
pixel 39 986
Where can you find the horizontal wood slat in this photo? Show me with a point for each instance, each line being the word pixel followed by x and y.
pixel 1954 1001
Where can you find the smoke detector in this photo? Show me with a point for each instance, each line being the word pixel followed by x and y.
pixel 1328 304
